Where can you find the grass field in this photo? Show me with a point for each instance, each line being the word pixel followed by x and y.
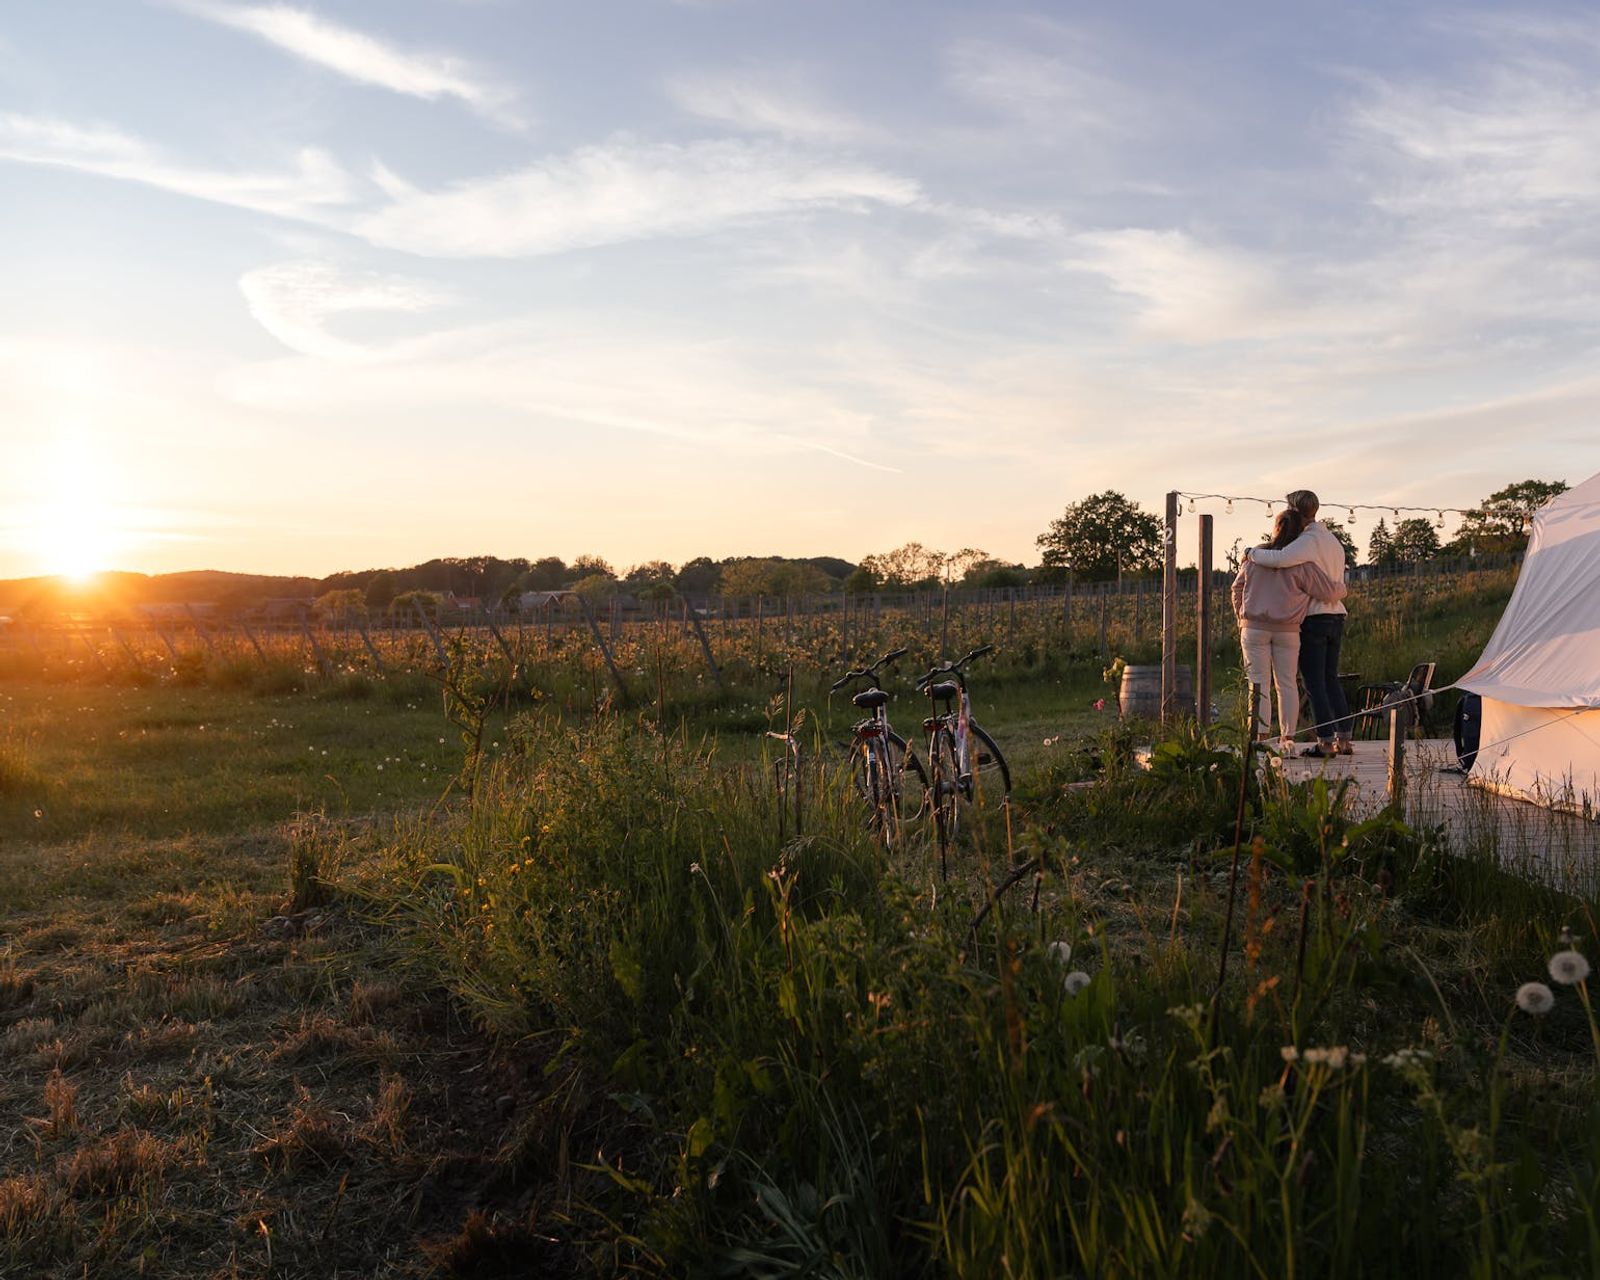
pixel 277 998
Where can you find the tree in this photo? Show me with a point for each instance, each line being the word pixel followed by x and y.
pixel 1380 547
pixel 698 577
pixel 1415 540
pixel 381 589
pixel 652 580
pixel 770 576
pixel 596 587
pixel 1095 538
pixel 587 566
pixel 1500 524
pixel 429 602
pixel 862 581
pixel 336 606
pixel 1344 539
pixel 912 565
pixel 547 573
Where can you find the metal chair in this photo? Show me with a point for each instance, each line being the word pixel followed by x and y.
pixel 1378 702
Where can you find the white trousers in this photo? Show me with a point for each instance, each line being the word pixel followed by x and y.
pixel 1273 657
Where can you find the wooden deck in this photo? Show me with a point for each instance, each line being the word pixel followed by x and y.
pixel 1559 847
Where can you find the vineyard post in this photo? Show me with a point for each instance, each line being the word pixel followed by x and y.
pixel 200 628
pixel 1066 613
pixel 1105 621
pixel 433 634
pixel 944 625
pixel 366 639
pixel 126 647
pixel 705 644
pixel 93 652
pixel 1138 611
pixel 316 649
pixel 605 652
pixel 254 643
pixel 1011 623
pixel 1202 629
pixel 1169 611
pixel 760 627
pixel 166 639
pixel 494 631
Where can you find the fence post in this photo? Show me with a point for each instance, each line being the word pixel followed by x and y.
pixel 605 652
pixel 705 645
pixel 1202 629
pixel 1169 611
pixel 1105 621
pixel 372 649
pixel 1399 726
pixel 433 633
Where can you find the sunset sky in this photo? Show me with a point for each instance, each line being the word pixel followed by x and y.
pixel 298 288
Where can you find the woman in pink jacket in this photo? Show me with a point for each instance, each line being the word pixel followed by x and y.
pixel 1270 604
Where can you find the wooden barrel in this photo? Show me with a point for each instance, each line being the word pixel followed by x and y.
pixel 1140 698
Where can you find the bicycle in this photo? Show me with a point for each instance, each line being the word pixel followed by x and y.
pixel 959 773
pixel 879 755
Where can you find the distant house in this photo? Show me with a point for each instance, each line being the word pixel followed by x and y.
pixel 536 601
pixel 463 604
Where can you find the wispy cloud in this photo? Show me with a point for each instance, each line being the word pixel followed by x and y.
pixel 763 101
pixel 365 59
pixel 1054 88
pixel 293 301
pixel 312 185
pixel 622 191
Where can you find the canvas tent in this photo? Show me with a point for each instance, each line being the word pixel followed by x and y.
pixel 1539 677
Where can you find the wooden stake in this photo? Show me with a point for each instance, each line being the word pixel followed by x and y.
pixel 1202 654
pixel 1169 612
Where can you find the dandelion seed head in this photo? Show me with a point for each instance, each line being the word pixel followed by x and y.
pixel 1569 967
pixel 1060 952
pixel 1075 981
pixel 1535 998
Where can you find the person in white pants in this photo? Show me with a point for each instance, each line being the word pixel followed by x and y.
pixel 1270 605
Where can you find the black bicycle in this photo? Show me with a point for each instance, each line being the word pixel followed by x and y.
pixel 965 765
pixel 879 756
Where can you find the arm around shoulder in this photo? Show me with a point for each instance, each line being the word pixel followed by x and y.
pixel 1302 550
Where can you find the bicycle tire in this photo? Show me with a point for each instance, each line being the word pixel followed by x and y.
pixel 879 774
pixel 990 763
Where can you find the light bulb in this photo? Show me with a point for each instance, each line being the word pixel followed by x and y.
pixel 1439 523
pixel 1229 508
pixel 1191 506
pixel 1352 518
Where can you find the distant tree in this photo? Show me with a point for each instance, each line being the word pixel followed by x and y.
pixel 548 573
pixel 862 581
pixel 596 587
pixel 698 577
pixel 1415 540
pixel 429 602
pixel 652 580
pixel 1345 540
pixel 770 576
pixel 343 605
pixel 1092 538
pixel 587 566
pixel 992 575
pixel 1380 547
pixel 381 590
pixel 1500 524
pixel 911 565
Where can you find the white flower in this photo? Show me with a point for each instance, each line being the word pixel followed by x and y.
pixel 1075 981
pixel 1333 1056
pixel 1402 1059
pixel 1289 1053
pixel 1535 998
pixel 1569 967
pixel 1060 952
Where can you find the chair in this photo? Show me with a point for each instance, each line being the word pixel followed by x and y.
pixel 1378 702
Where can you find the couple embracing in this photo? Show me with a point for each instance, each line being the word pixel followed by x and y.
pixel 1288 596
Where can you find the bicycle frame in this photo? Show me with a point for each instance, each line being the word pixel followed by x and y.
pixel 875 738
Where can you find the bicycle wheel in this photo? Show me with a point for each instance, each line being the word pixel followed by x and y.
pixel 944 792
pixel 991 781
pixel 879 771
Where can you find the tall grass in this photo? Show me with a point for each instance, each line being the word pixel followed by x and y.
pixel 817 1067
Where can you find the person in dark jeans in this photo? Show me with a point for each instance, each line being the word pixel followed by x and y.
pixel 1322 631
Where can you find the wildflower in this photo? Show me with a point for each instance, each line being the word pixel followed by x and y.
pixel 1535 998
pixel 1271 1096
pixel 1334 1057
pixel 1188 1014
pixel 1060 952
pixel 694 867
pixel 1289 1053
pixel 1569 967
pixel 1405 1059
pixel 1075 981
pixel 1099 704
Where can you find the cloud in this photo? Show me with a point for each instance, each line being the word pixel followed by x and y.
pixel 293 301
pixel 1050 93
pixel 312 186
pixel 763 101
pixel 1185 290
pixel 364 58
pixel 619 192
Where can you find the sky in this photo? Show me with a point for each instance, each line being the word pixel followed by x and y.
pixel 304 287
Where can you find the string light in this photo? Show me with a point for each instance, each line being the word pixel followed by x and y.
pixel 1230 506
pixel 1191 506
pixel 1438 513
pixel 1351 518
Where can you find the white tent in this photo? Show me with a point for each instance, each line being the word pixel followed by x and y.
pixel 1539 677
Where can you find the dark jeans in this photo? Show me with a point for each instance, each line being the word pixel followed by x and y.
pixel 1321 634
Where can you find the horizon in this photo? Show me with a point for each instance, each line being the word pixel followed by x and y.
pixel 301 286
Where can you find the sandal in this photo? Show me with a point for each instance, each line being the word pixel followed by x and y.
pixel 1322 751
pixel 1342 747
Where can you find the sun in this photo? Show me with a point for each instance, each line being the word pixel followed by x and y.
pixel 74 525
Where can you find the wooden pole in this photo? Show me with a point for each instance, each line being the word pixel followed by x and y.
pixel 372 649
pixel 1202 629
pixel 1169 612
pixel 705 644
pixel 605 652
pixel 1105 621
pixel 1399 726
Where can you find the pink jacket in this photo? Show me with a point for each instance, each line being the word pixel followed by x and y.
pixel 1277 599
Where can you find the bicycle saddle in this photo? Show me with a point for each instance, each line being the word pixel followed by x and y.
pixel 870 699
pixel 946 691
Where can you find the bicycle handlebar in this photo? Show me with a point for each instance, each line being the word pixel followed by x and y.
pixel 894 655
pixel 954 668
